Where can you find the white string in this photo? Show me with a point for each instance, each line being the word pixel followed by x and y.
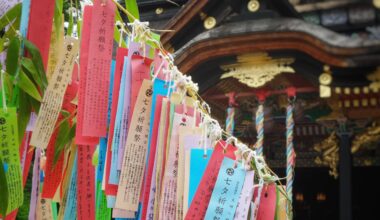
pixel 3 92
pixel 158 71
pixel 121 30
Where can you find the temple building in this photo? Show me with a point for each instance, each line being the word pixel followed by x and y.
pixel 321 56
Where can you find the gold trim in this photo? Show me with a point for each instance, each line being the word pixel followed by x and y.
pixel 253 5
pixel 256 69
pixel 209 23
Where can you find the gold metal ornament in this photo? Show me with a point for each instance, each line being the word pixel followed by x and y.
pixel 256 69
pixel 376 3
pixel 159 11
pixel 253 5
pixel 325 79
pixel 329 150
pixel 209 23
pixel 375 80
pixel 370 136
pixel 324 91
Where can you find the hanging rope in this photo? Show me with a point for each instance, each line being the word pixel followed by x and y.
pixel 230 120
pixel 260 129
pixel 290 153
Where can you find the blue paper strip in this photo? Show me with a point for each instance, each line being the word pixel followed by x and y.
pixel 225 197
pixel 198 164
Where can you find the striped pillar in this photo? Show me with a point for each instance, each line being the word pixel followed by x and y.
pixel 260 129
pixel 290 153
pixel 230 120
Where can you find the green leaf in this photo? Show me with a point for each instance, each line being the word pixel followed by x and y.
pixel 64 137
pixel 11 14
pixel 95 157
pixel 131 6
pixel 37 61
pixel 71 24
pixel 35 104
pixel 4 190
pixel 23 114
pixel 13 61
pixel 30 69
pixel 58 15
pixel 79 22
pixel 28 86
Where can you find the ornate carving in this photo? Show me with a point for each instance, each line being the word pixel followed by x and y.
pixel 375 80
pixel 370 136
pixel 257 69
pixel 329 150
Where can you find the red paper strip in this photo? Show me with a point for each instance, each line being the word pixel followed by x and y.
pixel 152 154
pixel 111 189
pixel 98 70
pixel 54 172
pixel 202 197
pixel 140 71
pixel 28 157
pixel 159 65
pixel 40 26
pixel 267 206
pixel 84 49
pixel 85 183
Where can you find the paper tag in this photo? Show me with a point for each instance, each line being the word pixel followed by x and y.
pixel 125 104
pixel 70 157
pixel 25 11
pixel 71 202
pixel 154 196
pixel 116 140
pixel 32 122
pixel 98 70
pixel 24 149
pixel 120 213
pixel 80 139
pixel 169 192
pixel 121 53
pixel 160 89
pixel 135 152
pixel 281 203
pixel 35 186
pixel 55 50
pixel 245 197
pixel 6 5
pixel 53 173
pixel 267 206
pixel 39 32
pixel 185 145
pixel 54 94
pixel 86 183
pixel 102 211
pixel 44 210
pixel 10 157
pixel 226 193
pixel 202 197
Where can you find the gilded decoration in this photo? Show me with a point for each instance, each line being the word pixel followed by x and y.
pixel 329 150
pixel 256 69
